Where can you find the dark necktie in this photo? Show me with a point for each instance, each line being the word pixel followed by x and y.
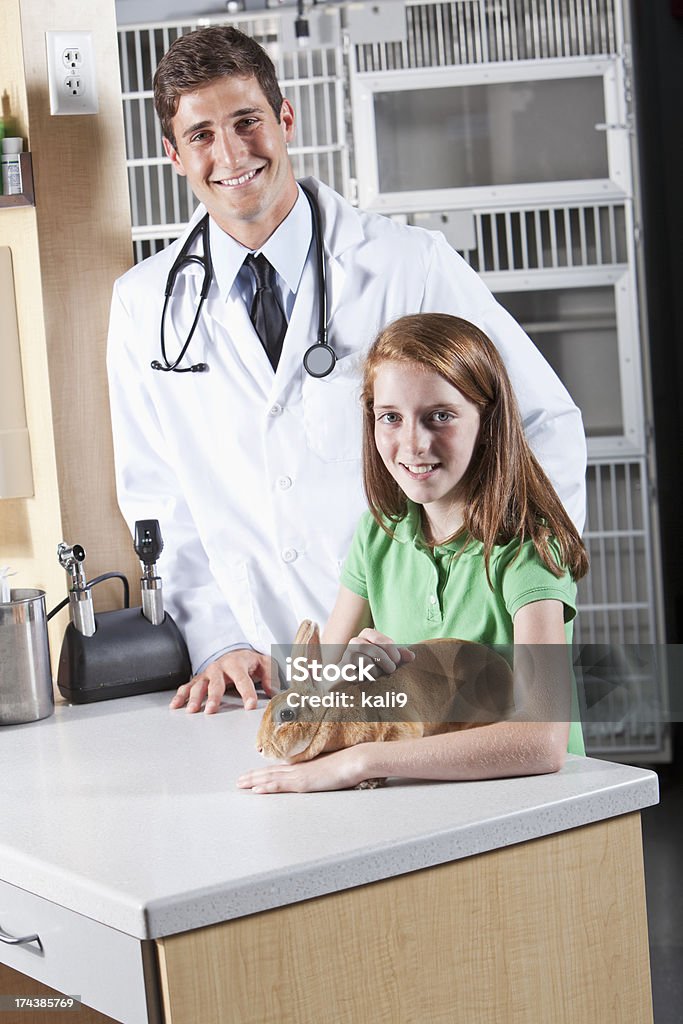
pixel 266 313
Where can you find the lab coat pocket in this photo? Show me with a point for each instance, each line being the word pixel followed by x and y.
pixel 332 411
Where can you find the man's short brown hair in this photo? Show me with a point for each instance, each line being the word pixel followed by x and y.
pixel 200 57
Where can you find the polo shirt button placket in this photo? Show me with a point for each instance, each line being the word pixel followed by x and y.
pixel 433 611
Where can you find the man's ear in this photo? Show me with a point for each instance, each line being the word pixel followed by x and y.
pixel 172 154
pixel 287 120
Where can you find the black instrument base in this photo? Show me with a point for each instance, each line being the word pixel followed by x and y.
pixel 126 656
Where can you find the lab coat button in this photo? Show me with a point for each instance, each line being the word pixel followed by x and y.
pixel 284 483
pixel 275 410
pixel 432 599
pixel 289 555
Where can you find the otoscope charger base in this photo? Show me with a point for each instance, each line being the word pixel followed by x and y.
pixel 126 656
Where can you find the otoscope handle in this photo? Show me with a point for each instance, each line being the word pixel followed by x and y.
pixel 82 611
pixel 152 600
pixel 148 546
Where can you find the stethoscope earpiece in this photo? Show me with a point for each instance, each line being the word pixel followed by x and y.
pixel 197 368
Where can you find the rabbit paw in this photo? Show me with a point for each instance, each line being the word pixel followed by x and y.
pixel 371 784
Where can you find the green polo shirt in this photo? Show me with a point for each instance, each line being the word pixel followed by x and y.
pixel 418 593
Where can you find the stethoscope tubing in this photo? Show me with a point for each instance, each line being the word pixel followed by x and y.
pixel 319 360
pixel 183 258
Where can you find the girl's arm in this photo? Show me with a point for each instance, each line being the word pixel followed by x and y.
pixel 525 746
pixel 349 616
pixel 350 623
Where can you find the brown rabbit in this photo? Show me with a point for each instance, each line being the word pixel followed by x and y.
pixel 451 685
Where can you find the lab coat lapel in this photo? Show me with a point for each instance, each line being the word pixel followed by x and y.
pixel 301 333
pixel 224 330
pixel 336 277
pixel 303 326
pixel 341 232
pixel 235 342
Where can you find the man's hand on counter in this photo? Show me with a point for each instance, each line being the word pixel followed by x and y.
pixel 237 668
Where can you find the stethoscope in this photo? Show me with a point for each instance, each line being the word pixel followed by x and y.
pixel 319 359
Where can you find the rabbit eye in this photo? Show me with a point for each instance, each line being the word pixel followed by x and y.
pixel 287 715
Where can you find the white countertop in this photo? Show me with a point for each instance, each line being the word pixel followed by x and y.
pixel 128 813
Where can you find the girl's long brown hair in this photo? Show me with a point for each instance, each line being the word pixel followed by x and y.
pixel 507 494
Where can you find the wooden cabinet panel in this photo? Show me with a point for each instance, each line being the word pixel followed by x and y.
pixel 550 930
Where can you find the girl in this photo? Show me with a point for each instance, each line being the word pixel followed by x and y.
pixel 465 537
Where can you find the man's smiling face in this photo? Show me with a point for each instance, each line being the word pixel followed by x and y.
pixel 233 150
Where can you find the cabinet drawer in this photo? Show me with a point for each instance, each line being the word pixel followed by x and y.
pixel 79 957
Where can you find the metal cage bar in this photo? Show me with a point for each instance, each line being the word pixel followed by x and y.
pixel 480 31
pixel 545 238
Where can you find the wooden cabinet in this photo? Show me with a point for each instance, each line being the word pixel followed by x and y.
pixel 553 929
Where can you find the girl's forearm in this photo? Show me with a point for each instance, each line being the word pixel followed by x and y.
pixel 487 752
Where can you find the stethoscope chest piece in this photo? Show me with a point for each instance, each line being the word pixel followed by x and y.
pixel 319 360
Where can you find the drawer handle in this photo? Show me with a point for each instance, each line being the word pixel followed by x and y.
pixel 23 940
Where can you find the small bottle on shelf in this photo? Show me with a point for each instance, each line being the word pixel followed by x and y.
pixel 11 167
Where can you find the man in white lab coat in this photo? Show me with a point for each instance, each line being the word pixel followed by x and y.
pixel 253 466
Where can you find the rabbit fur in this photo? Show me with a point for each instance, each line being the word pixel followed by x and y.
pixel 451 685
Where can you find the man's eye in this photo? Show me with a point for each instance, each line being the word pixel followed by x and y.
pixel 248 122
pixel 199 137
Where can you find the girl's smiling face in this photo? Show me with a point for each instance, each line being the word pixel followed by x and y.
pixel 426 432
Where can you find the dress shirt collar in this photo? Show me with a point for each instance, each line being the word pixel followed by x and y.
pixel 286 249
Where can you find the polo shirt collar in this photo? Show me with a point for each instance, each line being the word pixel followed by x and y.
pixel 409 531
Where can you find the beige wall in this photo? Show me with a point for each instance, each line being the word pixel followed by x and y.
pixel 66 253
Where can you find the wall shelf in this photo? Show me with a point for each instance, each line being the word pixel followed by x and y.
pixel 27 197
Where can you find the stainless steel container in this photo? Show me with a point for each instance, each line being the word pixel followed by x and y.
pixel 25 680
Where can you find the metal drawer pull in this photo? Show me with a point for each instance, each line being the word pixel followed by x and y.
pixel 20 941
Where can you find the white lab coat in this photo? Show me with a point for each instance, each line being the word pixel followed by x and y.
pixel 254 476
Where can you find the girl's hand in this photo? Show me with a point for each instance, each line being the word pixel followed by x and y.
pixel 371 645
pixel 341 770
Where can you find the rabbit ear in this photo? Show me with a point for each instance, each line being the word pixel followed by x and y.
pixel 307 641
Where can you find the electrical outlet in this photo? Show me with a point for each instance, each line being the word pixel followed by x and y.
pixel 71 73
pixel 72 58
pixel 74 85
